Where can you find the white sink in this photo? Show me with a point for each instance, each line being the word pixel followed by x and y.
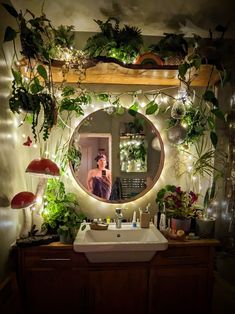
pixel 127 244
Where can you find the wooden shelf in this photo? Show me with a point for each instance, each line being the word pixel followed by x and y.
pixel 112 73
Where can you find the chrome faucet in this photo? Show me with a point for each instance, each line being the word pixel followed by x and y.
pixel 118 217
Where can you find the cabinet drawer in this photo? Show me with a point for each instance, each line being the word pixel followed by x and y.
pixel 182 255
pixel 53 259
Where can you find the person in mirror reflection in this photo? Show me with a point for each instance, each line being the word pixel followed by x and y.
pixel 99 180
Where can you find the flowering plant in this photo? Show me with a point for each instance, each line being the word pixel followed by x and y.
pixel 178 204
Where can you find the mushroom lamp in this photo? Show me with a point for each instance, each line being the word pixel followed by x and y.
pixel 23 200
pixel 43 167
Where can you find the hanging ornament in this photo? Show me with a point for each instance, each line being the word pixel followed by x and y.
pixel 178 110
pixel 176 134
pixel 156 144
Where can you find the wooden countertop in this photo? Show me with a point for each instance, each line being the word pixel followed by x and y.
pixel 171 243
pixel 200 242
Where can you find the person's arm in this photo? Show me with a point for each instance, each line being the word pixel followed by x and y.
pixel 109 177
pixel 89 180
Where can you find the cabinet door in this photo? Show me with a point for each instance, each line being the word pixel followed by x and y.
pixel 178 290
pixel 54 290
pixel 118 291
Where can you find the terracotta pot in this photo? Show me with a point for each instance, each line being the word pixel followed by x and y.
pixel 181 224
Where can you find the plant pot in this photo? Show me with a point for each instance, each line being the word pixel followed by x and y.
pixel 205 228
pixel 181 224
pixel 173 60
pixel 66 238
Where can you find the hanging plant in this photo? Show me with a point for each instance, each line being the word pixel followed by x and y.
pixel 31 97
pixel 35 33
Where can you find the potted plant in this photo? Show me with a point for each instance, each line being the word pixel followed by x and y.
pixel 179 206
pixel 172 48
pixel 123 44
pixel 205 223
pixel 213 49
pixel 61 214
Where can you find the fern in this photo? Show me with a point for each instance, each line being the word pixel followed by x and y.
pixel 123 44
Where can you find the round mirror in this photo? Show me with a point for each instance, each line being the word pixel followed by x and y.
pixel 122 155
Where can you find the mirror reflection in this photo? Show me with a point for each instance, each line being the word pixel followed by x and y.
pixel 122 155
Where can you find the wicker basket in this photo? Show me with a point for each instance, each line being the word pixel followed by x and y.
pixel 98 226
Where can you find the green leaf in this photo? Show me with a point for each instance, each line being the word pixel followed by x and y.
pixel 214 139
pixel 211 122
pixel 220 28
pixel 210 96
pixel 133 109
pixel 197 62
pixel 120 110
pixel 42 71
pixel 160 195
pixel 29 118
pixel 183 68
pixel 103 97
pixel 152 107
pixel 17 76
pixel 206 198
pixel 10 34
pixel 68 91
pixel 213 188
pixel 10 10
pixel 36 87
pixel 218 113
pixel 170 188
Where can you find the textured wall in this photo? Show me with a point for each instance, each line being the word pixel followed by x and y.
pixel 13 159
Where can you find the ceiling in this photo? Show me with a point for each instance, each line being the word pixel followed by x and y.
pixel 153 17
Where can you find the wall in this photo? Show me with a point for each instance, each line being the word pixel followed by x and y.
pixel 9 220
pixel 14 157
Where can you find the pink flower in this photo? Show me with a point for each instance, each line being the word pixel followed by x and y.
pixel 178 190
pixel 194 197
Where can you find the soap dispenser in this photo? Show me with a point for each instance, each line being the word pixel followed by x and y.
pixel 162 223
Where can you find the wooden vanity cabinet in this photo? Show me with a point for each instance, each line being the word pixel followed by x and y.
pixel 55 279
pixel 58 280
pixel 118 289
pixel 52 281
pixel 181 280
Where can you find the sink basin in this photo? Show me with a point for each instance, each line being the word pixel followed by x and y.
pixel 127 244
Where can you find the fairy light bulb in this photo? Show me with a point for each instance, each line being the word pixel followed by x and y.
pixel 39 200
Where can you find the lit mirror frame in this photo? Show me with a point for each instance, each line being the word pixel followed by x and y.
pixel 142 193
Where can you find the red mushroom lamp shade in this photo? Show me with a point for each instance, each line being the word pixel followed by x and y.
pixel 43 167
pixel 23 200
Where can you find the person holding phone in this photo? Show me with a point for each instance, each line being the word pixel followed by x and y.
pixel 99 180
